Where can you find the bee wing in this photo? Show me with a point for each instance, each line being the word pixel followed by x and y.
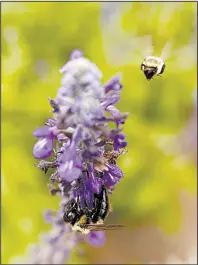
pixel 149 48
pixel 143 48
pixel 166 51
pixel 127 49
pixel 103 227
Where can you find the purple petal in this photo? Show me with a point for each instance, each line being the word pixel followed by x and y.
pixel 61 137
pixel 89 197
pixel 43 148
pixel 118 117
pixel 112 176
pixel 115 171
pixel 96 238
pixel 79 194
pixel 122 144
pixel 109 180
pixel 114 132
pixel 68 172
pixel 43 131
pixel 116 114
pixel 90 152
pixel 113 84
pixel 113 110
pixel 54 105
pixel 121 136
pixel 64 92
pixel 75 54
pixel 82 200
pixel 51 122
pixel 94 184
pixel 110 100
pixel 69 163
pixel 76 137
pixel 118 141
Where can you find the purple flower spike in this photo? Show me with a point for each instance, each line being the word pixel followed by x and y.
pixel 85 152
pixel 43 148
pixel 96 238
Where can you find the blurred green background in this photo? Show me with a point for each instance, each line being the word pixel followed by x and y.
pixel 36 41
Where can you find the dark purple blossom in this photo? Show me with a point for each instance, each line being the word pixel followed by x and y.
pixel 86 186
pixel 118 141
pixel 112 175
pixel 93 182
pixel 79 136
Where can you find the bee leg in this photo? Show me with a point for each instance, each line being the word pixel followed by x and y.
pixel 159 75
pixel 83 220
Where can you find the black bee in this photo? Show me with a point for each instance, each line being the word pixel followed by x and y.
pixel 85 220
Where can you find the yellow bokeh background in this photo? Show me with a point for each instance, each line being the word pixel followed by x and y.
pixel 36 41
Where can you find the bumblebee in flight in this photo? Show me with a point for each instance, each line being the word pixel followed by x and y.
pixel 151 66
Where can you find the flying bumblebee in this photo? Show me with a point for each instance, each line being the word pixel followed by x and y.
pixel 154 65
pixel 151 66
pixel 85 220
pixel 135 48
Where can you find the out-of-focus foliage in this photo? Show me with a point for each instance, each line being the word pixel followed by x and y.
pixel 36 41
